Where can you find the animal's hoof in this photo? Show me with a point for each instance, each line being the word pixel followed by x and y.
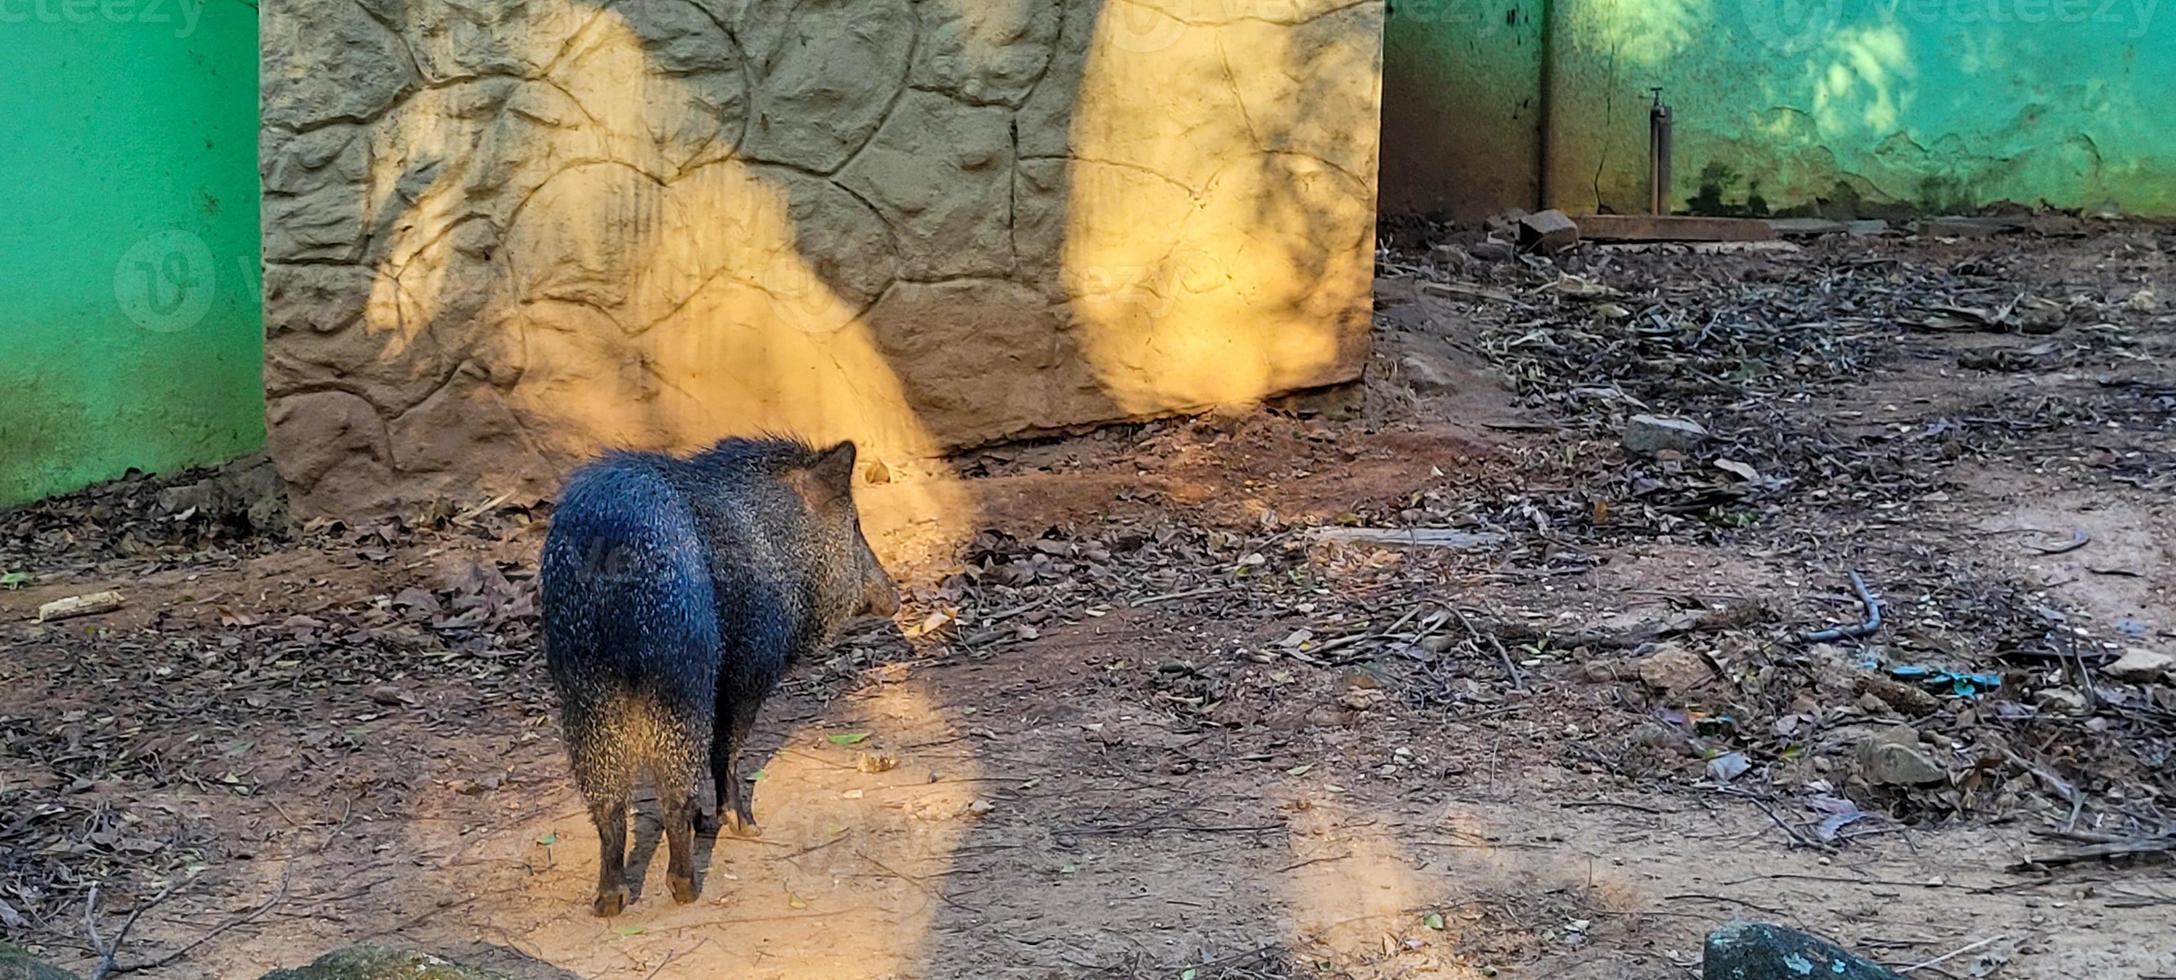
pixel 611 903
pixel 742 824
pixel 683 889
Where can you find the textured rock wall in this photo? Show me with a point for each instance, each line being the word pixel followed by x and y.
pixel 499 235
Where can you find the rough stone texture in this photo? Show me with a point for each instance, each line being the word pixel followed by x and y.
pixel 377 963
pixel 500 235
pixel 1758 951
pixel 18 965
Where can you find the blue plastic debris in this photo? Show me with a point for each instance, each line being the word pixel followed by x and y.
pixel 1958 683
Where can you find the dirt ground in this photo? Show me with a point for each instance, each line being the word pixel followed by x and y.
pixel 1141 717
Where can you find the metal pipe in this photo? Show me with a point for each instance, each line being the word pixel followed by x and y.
pixel 1658 156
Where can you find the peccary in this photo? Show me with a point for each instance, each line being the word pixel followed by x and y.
pixel 676 591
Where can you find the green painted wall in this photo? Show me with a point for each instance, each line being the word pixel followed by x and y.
pixel 1855 106
pixel 129 313
pixel 1462 120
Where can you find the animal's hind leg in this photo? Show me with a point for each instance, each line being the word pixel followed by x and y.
pixel 676 796
pixel 611 820
pixel 605 782
pixel 735 799
pixel 721 772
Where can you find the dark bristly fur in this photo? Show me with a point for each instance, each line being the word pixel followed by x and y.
pixel 676 591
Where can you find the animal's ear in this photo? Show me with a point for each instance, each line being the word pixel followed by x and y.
pixel 830 477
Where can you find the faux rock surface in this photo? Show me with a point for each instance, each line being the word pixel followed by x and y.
pixel 16 964
pixel 500 235
pixel 377 963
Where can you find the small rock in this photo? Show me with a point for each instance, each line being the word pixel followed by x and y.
pixel 1651 434
pixel 1491 251
pixel 1547 233
pixel 1662 738
pixel 2141 665
pixel 1673 668
pixel 1758 951
pixel 1362 698
pixel 1601 671
pixel 2061 701
pixel 1905 698
pixel 1425 373
pixel 1362 677
pixel 1893 758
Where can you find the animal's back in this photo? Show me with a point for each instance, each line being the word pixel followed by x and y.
pixel 629 613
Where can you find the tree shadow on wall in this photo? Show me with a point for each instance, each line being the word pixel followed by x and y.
pixel 501 235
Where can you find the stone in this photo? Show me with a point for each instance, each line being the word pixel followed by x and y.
pixel 831 70
pixel 1547 233
pixel 363 962
pixel 992 355
pixel 1894 758
pixel 1426 373
pixel 1651 434
pixel 247 491
pixel 2140 665
pixel 1759 951
pixel 1905 698
pixel 1492 250
pixel 665 80
pixel 17 964
pixel 1673 669
pixel 326 60
pixel 986 53
pixel 940 172
pixel 2061 701
pixel 453 39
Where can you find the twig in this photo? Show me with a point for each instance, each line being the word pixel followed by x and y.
pixel 1187 828
pixel 2161 844
pixel 1869 627
pixel 1518 679
pixel 286 879
pixel 926 887
pixel 1301 864
pixel 107 953
pixel 1174 596
pixel 1569 804
pixel 1959 951
pixel 2079 539
pixel 674 955
pixel 1796 837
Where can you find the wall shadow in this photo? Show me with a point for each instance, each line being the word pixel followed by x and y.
pixel 499 236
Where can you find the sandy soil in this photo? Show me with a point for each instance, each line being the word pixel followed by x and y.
pixel 1111 750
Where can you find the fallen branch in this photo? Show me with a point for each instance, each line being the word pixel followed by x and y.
pixel 2162 843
